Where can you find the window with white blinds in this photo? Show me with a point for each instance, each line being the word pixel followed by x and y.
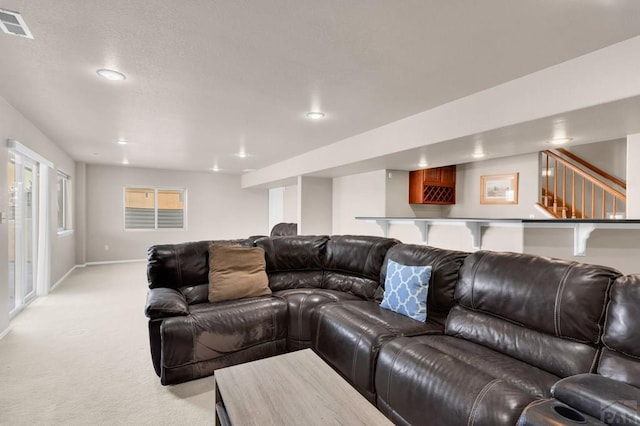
pixel 154 208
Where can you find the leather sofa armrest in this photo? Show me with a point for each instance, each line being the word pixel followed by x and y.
pixel 165 302
pixel 608 400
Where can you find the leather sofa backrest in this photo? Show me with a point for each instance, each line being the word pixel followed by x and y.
pixel 620 359
pixel 353 263
pixel 294 262
pixel 445 266
pixel 284 229
pixel 546 312
pixel 182 265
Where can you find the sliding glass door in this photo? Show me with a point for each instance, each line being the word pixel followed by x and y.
pixel 23 230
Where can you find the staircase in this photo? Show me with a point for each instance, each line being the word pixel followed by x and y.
pixel 572 188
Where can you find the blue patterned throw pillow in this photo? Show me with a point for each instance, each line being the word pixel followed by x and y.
pixel 405 290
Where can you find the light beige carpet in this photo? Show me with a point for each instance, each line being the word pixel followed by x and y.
pixel 80 356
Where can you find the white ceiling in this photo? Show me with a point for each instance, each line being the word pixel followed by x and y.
pixel 207 78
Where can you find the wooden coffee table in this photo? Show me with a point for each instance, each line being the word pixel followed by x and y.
pixel 291 389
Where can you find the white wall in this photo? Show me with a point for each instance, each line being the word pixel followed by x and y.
pixel 358 195
pixel 617 248
pixel 455 236
pixel 276 206
pixel 397 194
pixel 315 202
pixel 80 215
pixel 14 125
pixel 217 208
pixel 283 205
pixel 610 156
pixel 468 188
pixel 290 204
pixel 633 177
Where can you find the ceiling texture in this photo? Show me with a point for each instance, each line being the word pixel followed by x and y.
pixel 207 79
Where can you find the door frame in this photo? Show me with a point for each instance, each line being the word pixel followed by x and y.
pixel 41 263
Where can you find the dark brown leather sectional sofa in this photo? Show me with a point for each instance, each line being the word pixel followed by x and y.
pixel 504 330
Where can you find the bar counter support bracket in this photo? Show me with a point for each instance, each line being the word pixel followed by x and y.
pixel 423 227
pixel 581 234
pixel 476 234
pixel 384 224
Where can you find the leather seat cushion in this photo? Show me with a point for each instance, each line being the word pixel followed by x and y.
pixel 349 335
pixel 455 381
pixel 301 303
pixel 214 330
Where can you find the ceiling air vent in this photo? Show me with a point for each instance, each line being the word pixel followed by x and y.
pixel 13 23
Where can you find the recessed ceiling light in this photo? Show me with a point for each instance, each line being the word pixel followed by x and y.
pixel 560 141
pixel 478 154
pixel 111 75
pixel 215 168
pixel 243 154
pixel 423 164
pixel 315 115
pixel 125 161
pixel 122 142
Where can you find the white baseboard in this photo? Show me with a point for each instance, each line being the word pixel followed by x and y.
pixel 4 332
pixel 57 283
pixel 108 262
pixel 84 265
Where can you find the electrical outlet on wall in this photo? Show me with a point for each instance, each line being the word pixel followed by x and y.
pixel 390 175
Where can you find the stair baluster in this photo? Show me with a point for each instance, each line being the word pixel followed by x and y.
pixel 573 194
pixel 564 191
pixel 555 187
pixel 584 199
pixel 593 200
pixel 546 192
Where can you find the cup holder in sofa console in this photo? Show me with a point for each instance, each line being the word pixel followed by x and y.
pixel 553 412
pixel 569 414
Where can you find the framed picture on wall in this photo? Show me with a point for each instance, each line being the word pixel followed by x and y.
pixel 499 189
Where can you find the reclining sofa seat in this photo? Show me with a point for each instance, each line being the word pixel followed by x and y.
pixel 613 394
pixel 348 335
pixel 310 271
pixel 521 323
pixel 191 337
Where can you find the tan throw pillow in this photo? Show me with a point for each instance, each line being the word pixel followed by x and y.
pixel 236 272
